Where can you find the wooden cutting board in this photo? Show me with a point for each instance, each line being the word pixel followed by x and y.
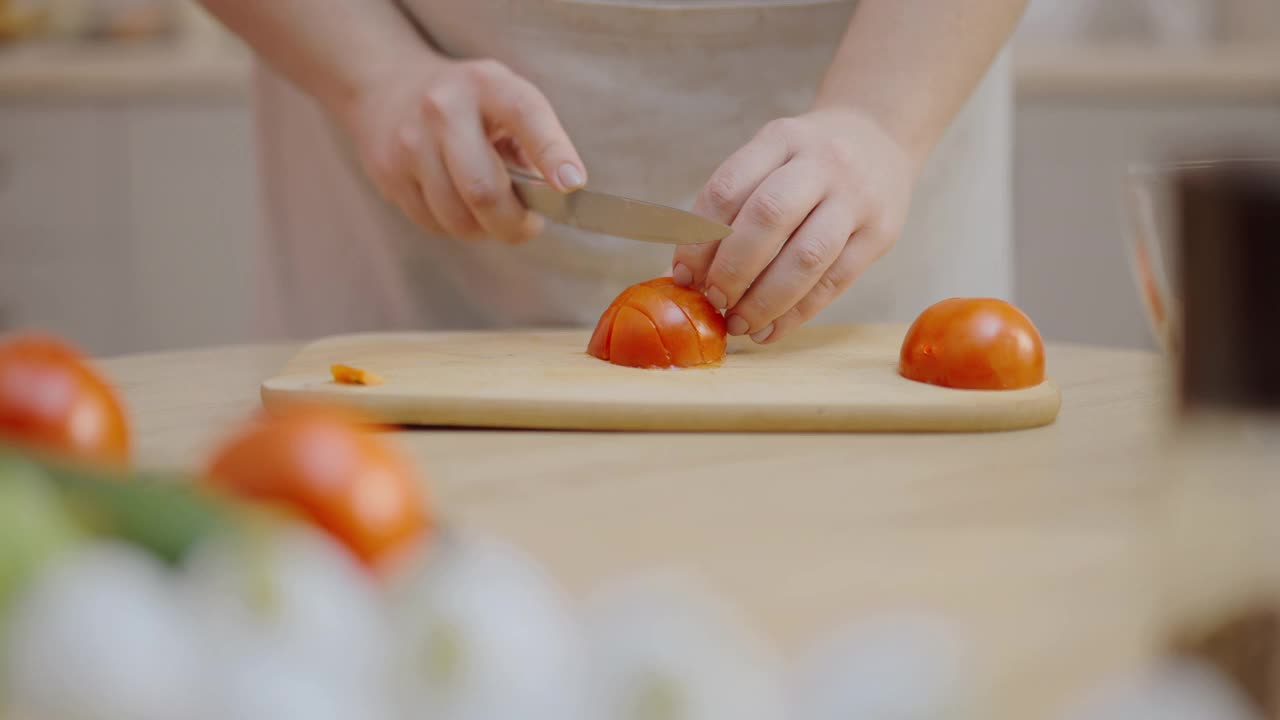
pixel 834 379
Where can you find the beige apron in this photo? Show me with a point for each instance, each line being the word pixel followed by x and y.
pixel 655 95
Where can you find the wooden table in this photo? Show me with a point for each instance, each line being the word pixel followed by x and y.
pixel 1032 540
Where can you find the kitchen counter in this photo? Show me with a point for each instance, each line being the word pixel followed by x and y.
pixel 222 67
pixel 1031 540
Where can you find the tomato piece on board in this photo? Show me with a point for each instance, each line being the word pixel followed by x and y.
pixel 635 341
pixel 52 400
pixel 599 345
pixel 343 478
pixel 709 322
pixel 973 344
pixel 347 375
pixel 677 333
pixel 683 328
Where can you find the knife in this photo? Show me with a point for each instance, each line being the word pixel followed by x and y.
pixel 613 215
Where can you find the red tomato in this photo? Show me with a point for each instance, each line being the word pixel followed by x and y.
pixel 341 477
pixel 658 324
pixel 51 399
pixel 973 344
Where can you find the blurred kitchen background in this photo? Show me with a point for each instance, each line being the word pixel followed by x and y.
pixel 129 198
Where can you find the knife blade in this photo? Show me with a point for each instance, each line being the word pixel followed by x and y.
pixel 618 216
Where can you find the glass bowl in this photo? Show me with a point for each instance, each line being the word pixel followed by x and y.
pixel 1151 208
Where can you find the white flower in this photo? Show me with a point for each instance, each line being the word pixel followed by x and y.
pixel 295 607
pixel 663 648
pixel 898 667
pixel 100 636
pixel 482 633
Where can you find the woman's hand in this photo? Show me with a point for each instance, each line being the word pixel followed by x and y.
pixel 813 201
pixel 434 139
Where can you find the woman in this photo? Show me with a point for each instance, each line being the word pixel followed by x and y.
pixel 807 125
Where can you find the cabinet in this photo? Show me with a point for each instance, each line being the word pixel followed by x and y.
pixel 193 222
pixel 61 219
pixel 128 226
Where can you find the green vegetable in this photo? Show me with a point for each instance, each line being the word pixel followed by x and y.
pixel 34 526
pixel 164 513
pixel 659 698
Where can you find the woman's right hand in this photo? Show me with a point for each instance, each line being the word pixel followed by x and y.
pixel 435 139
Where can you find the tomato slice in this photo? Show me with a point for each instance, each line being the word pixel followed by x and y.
pixel 601 338
pixel 679 336
pixel 635 341
pixel 347 375
pixel 709 323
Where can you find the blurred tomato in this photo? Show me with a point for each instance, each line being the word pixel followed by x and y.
pixel 973 344
pixel 51 399
pixel 341 477
pixel 657 323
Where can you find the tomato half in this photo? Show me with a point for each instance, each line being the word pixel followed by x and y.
pixel 973 344
pixel 342 478
pixel 51 399
pixel 658 324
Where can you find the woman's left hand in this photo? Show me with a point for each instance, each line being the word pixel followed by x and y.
pixel 813 201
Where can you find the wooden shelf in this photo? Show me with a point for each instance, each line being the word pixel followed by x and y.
pixel 223 69
pixel 1216 75
pixel 170 70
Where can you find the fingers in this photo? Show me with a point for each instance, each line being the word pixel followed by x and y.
pixel 399 179
pixel 436 143
pixel 412 203
pixel 796 270
pixel 724 195
pixel 513 154
pixel 730 186
pixel 859 253
pixel 774 210
pixel 441 198
pixel 516 105
pixel 481 181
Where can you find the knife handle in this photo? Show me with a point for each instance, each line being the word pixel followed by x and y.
pixel 524 176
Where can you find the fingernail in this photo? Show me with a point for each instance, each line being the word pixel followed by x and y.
pixel 763 334
pixel 738 325
pixel 682 275
pixel 717 298
pixel 570 176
